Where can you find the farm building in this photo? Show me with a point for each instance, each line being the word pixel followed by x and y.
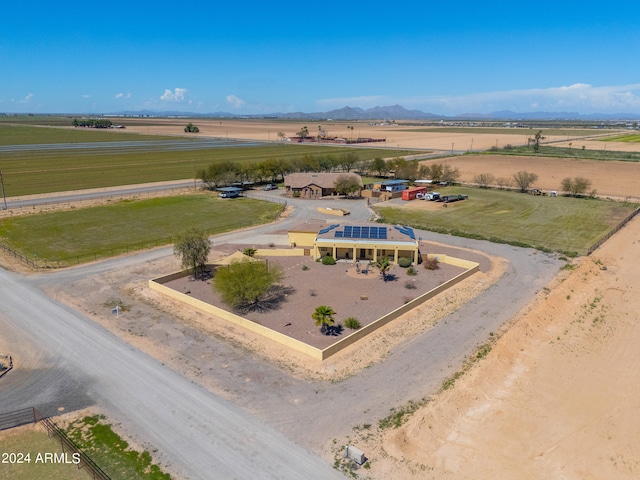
pixel 366 242
pixel 391 185
pixel 314 185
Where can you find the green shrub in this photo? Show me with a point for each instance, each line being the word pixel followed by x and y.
pixel 410 285
pixel 404 262
pixel 328 260
pixel 305 267
pixel 352 323
pixel 245 284
pixel 411 271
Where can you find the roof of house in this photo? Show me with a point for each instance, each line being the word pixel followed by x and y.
pixel 394 182
pixel 368 232
pixel 323 180
pixel 312 225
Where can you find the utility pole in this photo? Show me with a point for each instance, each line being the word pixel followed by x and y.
pixel 194 175
pixel 4 199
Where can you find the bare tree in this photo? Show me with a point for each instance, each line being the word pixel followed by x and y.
pixel 524 180
pixel 484 179
pixel 450 174
pixel 576 186
pixel 503 182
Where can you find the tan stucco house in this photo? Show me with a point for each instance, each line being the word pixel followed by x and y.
pixel 314 185
pixel 366 242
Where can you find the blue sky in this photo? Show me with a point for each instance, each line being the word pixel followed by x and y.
pixel 442 57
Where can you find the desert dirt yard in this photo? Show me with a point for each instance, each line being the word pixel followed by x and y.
pixel 555 398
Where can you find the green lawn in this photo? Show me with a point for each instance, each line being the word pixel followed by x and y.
pixel 27 440
pixel 82 235
pixel 555 223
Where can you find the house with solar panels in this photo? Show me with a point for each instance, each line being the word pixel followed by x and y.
pixel 366 242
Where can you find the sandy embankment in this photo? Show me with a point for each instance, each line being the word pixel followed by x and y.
pixel 557 396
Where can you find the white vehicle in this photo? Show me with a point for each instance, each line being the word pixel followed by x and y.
pixel 432 197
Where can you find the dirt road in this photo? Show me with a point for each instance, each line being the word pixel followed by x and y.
pixel 196 432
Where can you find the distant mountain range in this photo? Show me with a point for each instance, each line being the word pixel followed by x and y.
pixel 396 112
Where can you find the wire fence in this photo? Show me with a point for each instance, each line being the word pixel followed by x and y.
pixel 103 198
pixel 16 418
pixel 613 231
pixel 79 457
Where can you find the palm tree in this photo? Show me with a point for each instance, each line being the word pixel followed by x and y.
pixel 324 318
pixel 384 265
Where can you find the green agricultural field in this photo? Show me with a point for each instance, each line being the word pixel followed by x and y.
pixel 569 132
pixel 46 171
pixel 566 152
pixel 627 137
pixel 554 223
pixel 35 135
pixel 75 236
pixel 48 120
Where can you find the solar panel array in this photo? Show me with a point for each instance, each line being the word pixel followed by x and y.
pixel 353 231
pixel 408 231
pixel 328 229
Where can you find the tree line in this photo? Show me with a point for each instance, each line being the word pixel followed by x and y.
pixel 524 181
pixel 275 169
pixel 92 122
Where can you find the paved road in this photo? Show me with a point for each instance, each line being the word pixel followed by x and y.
pixel 308 412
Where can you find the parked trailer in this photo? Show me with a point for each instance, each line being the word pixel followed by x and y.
pixel 452 198
pixel 412 193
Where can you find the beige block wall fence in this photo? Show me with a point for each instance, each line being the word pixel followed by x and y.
pixel 157 284
pixel 333 211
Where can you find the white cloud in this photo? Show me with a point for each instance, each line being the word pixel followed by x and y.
pixel 176 96
pixel 26 99
pixel 123 95
pixel 235 102
pixel 85 95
